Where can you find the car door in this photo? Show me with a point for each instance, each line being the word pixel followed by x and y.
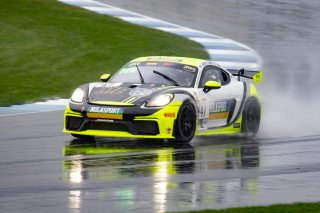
pixel 218 107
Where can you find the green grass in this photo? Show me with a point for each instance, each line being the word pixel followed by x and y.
pixel 48 48
pixel 283 208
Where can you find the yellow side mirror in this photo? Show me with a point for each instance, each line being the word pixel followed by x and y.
pixel 105 77
pixel 209 85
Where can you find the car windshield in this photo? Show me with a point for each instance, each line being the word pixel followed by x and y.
pixel 164 73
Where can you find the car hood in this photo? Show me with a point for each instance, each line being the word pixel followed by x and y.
pixel 122 93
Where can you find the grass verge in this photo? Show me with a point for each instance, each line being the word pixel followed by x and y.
pixel 48 48
pixel 283 208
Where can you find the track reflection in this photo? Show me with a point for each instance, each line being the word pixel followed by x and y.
pixel 163 169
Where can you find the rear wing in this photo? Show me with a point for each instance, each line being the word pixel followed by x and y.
pixel 256 76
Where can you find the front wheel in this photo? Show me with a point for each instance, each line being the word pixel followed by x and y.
pixel 251 117
pixel 185 125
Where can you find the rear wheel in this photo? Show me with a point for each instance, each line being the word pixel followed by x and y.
pixel 185 125
pixel 251 117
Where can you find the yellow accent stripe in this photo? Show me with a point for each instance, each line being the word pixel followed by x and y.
pixel 131 100
pixel 102 115
pixel 219 115
pixel 125 100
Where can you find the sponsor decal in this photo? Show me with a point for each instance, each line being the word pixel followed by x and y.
pixel 134 64
pixel 196 96
pixel 168 64
pixel 164 59
pixel 220 106
pixel 112 110
pixel 202 110
pixel 151 64
pixel 189 68
pixel 104 120
pixel 170 115
pixel 219 110
pixel 105 112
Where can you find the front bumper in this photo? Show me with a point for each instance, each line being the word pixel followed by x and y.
pixel 159 125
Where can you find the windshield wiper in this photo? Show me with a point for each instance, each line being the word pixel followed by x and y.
pixel 166 77
pixel 141 78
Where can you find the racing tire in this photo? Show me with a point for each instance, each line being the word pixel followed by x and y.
pixel 185 125
pixel 251 118
pixel 84 137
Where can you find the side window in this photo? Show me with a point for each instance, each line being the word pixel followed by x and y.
pixel 211 73
pixel 225 77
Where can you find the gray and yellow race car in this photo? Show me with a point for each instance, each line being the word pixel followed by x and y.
pixel 174 98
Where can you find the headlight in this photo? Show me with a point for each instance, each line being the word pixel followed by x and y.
pixel 77 95
pixel 160 100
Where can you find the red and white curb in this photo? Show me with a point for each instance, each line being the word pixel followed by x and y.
pixel 226 52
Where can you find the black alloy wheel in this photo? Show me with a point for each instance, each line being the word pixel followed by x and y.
pixel 251 117
pixel 185 125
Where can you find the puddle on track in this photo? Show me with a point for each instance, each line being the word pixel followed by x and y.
pixel 211 172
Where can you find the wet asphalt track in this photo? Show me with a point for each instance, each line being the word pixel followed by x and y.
pixel 43 170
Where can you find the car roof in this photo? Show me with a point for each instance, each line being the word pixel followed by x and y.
pixel 180 60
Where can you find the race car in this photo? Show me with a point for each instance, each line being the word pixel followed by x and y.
pixel 166 97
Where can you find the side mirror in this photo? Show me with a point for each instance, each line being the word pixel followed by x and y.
pixel 209 85
pixel 105 77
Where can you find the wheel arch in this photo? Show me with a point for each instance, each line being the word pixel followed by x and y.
pixel 182 96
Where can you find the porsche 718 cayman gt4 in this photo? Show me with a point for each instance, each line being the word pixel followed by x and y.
pixel 174 98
